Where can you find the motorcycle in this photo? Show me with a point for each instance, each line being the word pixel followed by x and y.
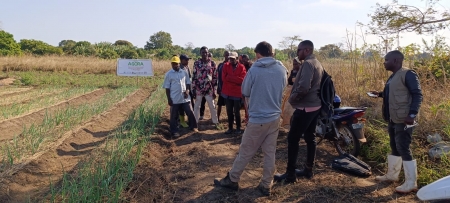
pixel 344 129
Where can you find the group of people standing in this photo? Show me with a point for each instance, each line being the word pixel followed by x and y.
pixel 206 82
pixel 260 87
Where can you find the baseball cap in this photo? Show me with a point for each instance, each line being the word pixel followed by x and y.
pixel 175 59
pixel 233 54
pixel 184 56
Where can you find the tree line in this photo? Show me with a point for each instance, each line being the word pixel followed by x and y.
pixel 158 46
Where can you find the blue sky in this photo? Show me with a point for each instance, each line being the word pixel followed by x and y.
pixel 202 22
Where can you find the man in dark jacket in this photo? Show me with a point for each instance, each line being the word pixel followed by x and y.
pixel 402 97
pixel 305 99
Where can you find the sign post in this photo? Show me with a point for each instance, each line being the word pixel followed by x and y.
pixel 134 67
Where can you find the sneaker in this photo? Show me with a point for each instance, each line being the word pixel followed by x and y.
pixel 195 129
pixel 217 126
pixel 201 118
pixel 229 131
pixel 265 191
pixel 226 182
pixel 238 131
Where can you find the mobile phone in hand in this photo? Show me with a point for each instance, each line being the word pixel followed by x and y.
pixel 371 94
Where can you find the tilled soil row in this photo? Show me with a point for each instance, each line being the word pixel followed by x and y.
pixel 183 170
pixel 10 94
pixel 27 100
pixel 32 181
pixel 12 127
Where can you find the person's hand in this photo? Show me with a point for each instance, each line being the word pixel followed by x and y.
pixel 186 94
pixel 374 93
pixel 409 120
pixel 169 101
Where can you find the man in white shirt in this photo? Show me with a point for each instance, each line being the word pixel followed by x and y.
pixel 177 85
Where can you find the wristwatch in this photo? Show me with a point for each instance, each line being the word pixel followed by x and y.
pixel 412 115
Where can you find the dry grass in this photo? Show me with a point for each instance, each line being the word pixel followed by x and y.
pixel 71 64
pixel 352 81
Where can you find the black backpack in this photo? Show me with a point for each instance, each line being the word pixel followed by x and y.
pixel 326 95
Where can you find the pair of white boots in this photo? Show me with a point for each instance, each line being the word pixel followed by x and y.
pixel 394 167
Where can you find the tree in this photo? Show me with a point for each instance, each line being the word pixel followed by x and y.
pixel 8 46
pixel 108 54
pixel 129 54
pixel 38 47
pixel 67 46
pixel 159 40
pixel 123 43
pixel 395 18
pixel 331 51
pixel 230 47
pixel 289 44
pixel 83 43
pixel 189 46
pixel 249 51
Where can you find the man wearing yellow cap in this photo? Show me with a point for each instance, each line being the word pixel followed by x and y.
pixel 177 85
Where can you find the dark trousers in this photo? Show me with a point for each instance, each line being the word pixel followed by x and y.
pixel 174 114
pixel 192 103
pixel 233 111
pixel 400 140
pixel 202 107
pixel 302 122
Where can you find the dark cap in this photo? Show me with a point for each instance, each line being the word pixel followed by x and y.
pixel 184 56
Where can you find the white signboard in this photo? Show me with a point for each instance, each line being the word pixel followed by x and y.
pixel 134 67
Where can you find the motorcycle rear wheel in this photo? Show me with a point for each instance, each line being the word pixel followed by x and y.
pixel 347 142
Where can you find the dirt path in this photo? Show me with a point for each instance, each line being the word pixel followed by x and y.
pixel 183 170
pixel 33 180
pixel 12 127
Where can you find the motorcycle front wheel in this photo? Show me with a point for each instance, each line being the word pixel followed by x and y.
pixel 348 142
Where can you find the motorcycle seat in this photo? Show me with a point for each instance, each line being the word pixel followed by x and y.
pixel 346 109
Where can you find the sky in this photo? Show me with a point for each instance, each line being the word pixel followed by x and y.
pixel 203 22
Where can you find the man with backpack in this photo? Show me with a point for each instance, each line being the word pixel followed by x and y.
pixel 307 103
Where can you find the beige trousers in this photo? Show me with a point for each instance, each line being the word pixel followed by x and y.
pixel 257 135
pixel 212 108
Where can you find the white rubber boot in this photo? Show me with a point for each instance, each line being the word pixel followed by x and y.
pixel 394 167
pixel 410 183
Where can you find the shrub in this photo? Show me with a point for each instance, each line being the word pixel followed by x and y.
pixel 38 47
pixel 108 54
pixel 8 45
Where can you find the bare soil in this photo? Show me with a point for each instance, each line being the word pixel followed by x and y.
pixel 183 170
pixel 31 181
pixel 15 126
pixel 6 81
